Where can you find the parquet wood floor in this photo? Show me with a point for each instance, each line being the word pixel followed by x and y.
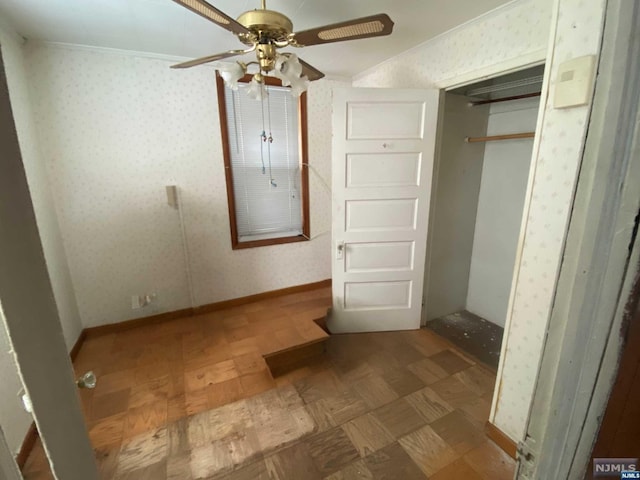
pixel 378 405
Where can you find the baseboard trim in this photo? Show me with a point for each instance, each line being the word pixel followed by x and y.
pixel 27 445
pixel 137 322
pixel 78 345
pixel 501 439
pixel 212 307
pixel 202 309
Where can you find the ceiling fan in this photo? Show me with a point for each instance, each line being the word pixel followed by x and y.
pixel 265 31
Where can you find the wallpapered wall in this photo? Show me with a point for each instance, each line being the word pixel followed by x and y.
pixel 507 33
pixel 115 129
pixel 515 30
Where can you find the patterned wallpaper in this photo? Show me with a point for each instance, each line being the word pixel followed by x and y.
pixel 115 129
pixel 507 33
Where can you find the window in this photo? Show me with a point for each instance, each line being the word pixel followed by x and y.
pixel 267 181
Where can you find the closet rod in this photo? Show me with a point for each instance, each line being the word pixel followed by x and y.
pixel 493 138
pixel 505 99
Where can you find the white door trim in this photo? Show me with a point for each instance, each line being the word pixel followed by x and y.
pixel 579 360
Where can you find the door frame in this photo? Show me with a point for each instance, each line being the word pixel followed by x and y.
pixel 533 59
pixel 586 330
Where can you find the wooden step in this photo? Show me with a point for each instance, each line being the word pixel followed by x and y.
pixel 294 347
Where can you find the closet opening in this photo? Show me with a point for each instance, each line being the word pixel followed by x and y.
pixel 480 180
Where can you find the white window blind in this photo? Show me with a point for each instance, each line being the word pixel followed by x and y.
pixel 266 175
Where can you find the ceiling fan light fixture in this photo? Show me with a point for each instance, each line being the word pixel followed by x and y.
pixel 231 73
pixel 299 86
pixel 256 90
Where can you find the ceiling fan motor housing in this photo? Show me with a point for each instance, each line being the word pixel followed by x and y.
pixel 265 25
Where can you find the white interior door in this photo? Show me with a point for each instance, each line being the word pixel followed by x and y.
pixel 383 150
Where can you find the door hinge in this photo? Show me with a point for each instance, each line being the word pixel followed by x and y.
pixel 526 456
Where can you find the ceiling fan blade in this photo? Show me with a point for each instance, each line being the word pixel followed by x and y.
pixel 212 14
pixel 311 73
pixel 211 58
pixel 365 27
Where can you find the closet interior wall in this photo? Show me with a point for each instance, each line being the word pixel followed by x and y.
pixel 478 200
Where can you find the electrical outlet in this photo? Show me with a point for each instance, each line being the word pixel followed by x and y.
pixel 141 301
pixel 136 302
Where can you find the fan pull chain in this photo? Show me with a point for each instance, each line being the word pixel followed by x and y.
pixel 272 181
pixel 263 136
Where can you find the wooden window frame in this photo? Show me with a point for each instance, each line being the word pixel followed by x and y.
pixel 304 169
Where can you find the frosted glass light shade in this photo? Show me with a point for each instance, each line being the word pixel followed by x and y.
pixel 256 90
pixel 231 73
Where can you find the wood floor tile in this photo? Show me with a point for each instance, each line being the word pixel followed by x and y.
pixel 459 433
pixel 331 450
pixel 428 404
pixel 321 385
pixel 406 354
pixel 254 471
pixel 382 361
pixel 143 451
pixel 255 383
pixel 107 432
pixel 450 361
pixel 477 411
pixel 454 392
pixel 391 463
pixel 145 418
pixel 225 392
pixel 367 434
pixel 402 381
pixel 491 462
pixel 210 375
pixel 196 401
pixel 344 407
pixel 374 391
pixel 430 452
pixel 477 379
pixel 354 471
pixel 111 403
pixel 458 469
pixel 293 462
pixel 179 467
pixel 244 347
pixel 399 418
pixel 210 460
pixel 153 391
pixel 107 461
pixel 428 371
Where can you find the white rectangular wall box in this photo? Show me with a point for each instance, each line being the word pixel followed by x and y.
pixel 574 84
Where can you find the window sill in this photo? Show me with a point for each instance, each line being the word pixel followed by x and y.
pixel 268 241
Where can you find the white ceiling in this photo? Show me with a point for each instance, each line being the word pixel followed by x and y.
pixel 164 27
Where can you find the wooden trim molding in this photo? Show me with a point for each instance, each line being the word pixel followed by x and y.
pixel 501 439
pixel 211 307
pixel 27 445
pixel 78 345
pixel 304 172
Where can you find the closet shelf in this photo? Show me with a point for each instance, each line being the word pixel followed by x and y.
pixel 493 138
pixel 504 99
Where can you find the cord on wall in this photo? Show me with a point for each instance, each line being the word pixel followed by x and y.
pixel 325 184
pixel 174 200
